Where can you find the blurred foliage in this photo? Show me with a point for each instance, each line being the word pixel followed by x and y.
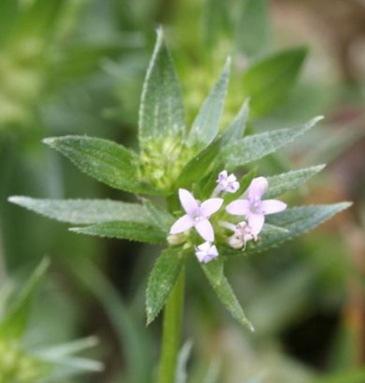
pixel 77 66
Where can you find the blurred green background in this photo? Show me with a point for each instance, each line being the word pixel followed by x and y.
pixel 77 67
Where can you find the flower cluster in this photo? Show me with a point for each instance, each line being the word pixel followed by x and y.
pixel 250 206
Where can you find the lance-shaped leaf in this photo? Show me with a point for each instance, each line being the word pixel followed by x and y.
pixel 285 182
pixel 206 124
pixel 296 221
pixel 133 231
pixel 162 279
pixel 160 218
pixel 104 160
pixel 256 146
pixel 268 81
pixel 214 272
pixel 200 165
pixel 238 126
pixel 210 158
pixel 15 320
pixel 84 211
pixel 161 112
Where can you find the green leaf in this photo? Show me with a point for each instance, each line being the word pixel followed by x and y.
pixel 182 362
pixel 237 128
pixel 214 272
pixel 161 112
pixel 200 165
pixel 256 146
pixel 161 218
pixel 210 158
pixel 162 279
pixel 84 211
pixel 104 160
pixel 206 124
pixel 268 81
pixel 253 27
pixel 13 325
pixel 297 221
pixel 282 183
pixel 133 231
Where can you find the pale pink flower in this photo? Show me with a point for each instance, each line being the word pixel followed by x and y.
pixel 242 234
pixel 227 182
pixel 206 252
pixel 253 207
pixel 197 215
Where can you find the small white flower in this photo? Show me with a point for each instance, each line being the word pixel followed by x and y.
pixel 227 182
pixel 197 215
pixel 242 234
pixel 206 252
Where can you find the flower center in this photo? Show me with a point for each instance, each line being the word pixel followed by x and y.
pixel 256 206
pixel 196 215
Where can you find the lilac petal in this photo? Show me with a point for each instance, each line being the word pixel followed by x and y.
pixel 257 188
pixel 239 207
pixel 233 187
pixel 188 202
pixel 210 206
pixel 182 224
pixel 205 229
pixel 256 222
pixel 222 176
pixel 271 206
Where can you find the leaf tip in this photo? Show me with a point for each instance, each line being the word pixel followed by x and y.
pixel 17 200
pixel 50 141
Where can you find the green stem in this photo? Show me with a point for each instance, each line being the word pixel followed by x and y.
pixel 172 331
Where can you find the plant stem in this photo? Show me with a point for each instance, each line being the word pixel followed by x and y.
pixel 172 331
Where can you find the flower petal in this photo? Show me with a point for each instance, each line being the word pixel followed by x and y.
pixel 271 206
pixel 239 207
pixel 210 206
pixel 188 202
pixel 233 187
pixel 257 188
pixel 256 222
pixel 205 230
pixel 182 224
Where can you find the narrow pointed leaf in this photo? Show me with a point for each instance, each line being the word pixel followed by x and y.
pixel 256 146
pixel 285 182
pixel 69 348
pixel 200 165
pixel 206 124
pixel 296 221
pixel 104 160
pixel 13 325
pixel 268 81
pixel 84 211
pixel 238 126
pixel 160 218
pixel 133 231
pixel 182 362
pixel 161 112
pixel 214 272
pixel 162 279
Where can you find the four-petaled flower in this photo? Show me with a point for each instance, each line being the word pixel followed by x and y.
pixel 197 215
pixel 206 252
pixel 227 182
pixel 253 207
